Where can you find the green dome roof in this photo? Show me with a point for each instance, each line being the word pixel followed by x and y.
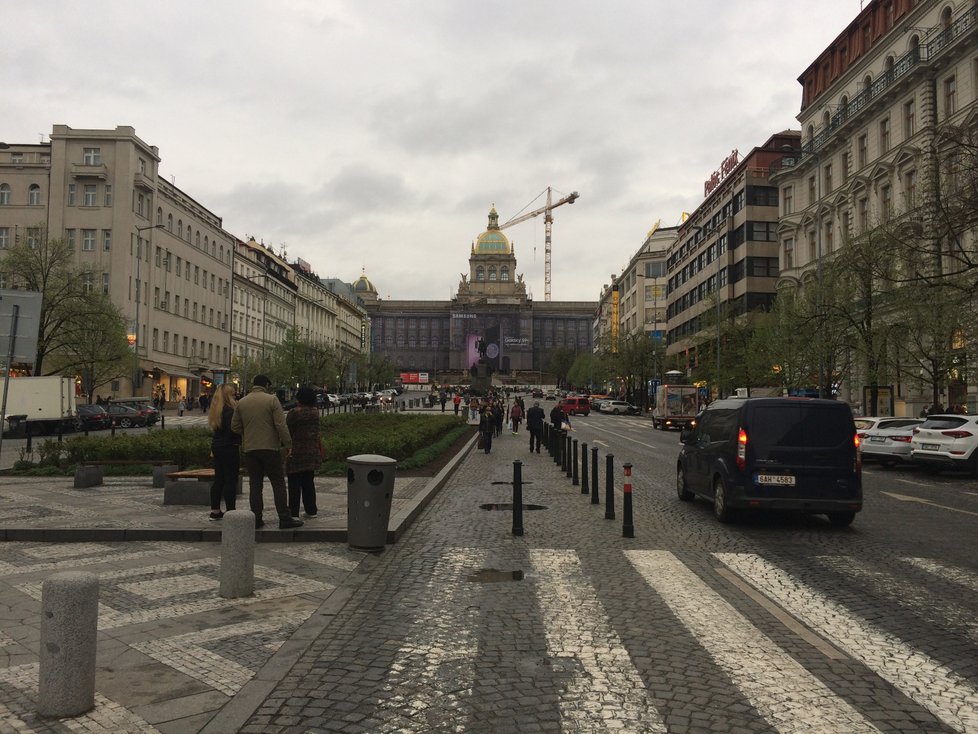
pixel 492 241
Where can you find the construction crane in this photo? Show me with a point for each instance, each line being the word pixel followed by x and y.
pixel 548 220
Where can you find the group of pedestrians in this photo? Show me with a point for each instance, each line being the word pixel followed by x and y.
pixel 492 411
pixel 285 448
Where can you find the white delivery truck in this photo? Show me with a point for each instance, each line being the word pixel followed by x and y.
pixel 42 403
pixel 676 406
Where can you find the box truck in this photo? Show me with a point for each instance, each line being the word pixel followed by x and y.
pixel 676 406
pixel 45 404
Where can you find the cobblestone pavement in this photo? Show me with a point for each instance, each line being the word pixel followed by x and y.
pixel 770 625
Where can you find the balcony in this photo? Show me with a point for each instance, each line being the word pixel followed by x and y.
pixel 100 171
pixel 143 182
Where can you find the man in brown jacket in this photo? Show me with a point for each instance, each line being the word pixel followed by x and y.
pixel 260 420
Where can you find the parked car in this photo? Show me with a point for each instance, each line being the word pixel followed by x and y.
pixel 617 407
pixel 773 454
pixel 538 394
pixel 889 445
pixel 575 406
pixel 143 405
pixel 125 416
pixel 871 423
pixel 92 418
pixel 946 442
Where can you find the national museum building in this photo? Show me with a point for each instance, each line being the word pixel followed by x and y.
pixel 491 304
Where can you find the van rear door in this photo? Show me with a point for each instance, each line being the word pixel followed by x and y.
pixel 799 449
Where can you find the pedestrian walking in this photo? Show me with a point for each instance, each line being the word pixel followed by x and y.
pixel 498 415
pixel 516 417
pixel 306 455
pixel 260 420
pixel 474 408
pixel 181 406
pixel 225 450
pixel 535 418
pixel 456 402
pixel 487 427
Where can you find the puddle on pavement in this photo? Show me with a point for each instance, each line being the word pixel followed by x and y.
pixel 508 507
pixel 492 576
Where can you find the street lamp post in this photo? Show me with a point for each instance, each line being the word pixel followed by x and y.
pixel 139 296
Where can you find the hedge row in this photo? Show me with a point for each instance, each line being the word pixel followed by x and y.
pixel 403 437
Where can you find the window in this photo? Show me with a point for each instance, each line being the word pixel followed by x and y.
pixel 884 135
pixel 812 247
pixel 179 265
pixel 169 222
pixel 105 283
pixel 789 252
pixel 159 215
pixel 88 240
pixel 950 96
pixel 763 267
pixel 212 282
pixel 92 157
pixel 762 231
pixel 480 274
pixel 107 194
pixel 142 165
pixel 828 179
pixel 4 194
pixel 159 256
pixel 788 196
pixel 195 311
pixel 106 239
pixel 156 338
pixel 492 273
pixel 758 196
pixel 909 119
pixel 863 214
pixel 196 275
pixel 90 193
pixel 34 195
pixel 827 241
pixel 862 151
pixel 846 165
pixel 34 237
pixel 886 202
pixel 167 262
pixel 910 188
pixel 180 228
pixel 72 193
pixel 4 238
pixel 811 190
pixel 504 274
pixel 70 238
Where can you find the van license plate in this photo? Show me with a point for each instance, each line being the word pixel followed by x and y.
pixel 782 479
pixel 930 446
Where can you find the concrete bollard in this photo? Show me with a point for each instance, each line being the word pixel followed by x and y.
pixel 69 630
pixel 237 554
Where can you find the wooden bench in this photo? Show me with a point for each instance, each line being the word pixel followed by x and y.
pixel 177 491
pixel 90 473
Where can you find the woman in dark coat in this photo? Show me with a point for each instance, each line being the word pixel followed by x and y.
pixel 306 456
pixel 226 450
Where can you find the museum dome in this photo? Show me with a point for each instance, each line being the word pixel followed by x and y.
pixel 492 241
pixel 363 285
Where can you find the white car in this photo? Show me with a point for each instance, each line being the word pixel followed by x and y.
pixel 890 445
pixel 872 423
pixel 946 442
pixel 617 407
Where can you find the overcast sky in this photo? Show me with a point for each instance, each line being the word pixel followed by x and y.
pixel 364 134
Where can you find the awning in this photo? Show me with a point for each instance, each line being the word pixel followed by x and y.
pixel 176 373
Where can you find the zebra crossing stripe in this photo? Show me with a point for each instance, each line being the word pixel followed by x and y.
pixel 790 698
pixel 960 576
pixel 578 631
pixel 918 676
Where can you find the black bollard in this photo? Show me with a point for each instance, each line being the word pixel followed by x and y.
pixel 627 528
pixel 27 428
pixel 609 488
pixel 551 442
pixel 112 428
pixel 567 456
pixel 517 497
pixel 557 441
pixel 545 436
pixel 595 499
pixel 61 430
pixel 584 487
pixel 575 480
pixel 162 421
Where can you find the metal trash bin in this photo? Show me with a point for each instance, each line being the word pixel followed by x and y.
pixel 369 491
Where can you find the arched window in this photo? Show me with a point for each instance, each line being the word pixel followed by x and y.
pixel 844 102
pixel 34 195
pixel 197 241
pixel 159 215
pixel 206 241
pixel 946 18
pixel 222 253
pixel 4 194
pixel 826 119
pixel 888 66
pixel 811 133
pixel 504 274
pixel 180 228
pixel 169 222
pixel 480 272
pixel 492 272
pixel 867 82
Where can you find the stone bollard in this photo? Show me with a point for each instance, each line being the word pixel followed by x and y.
pixel 238 554
pixel 69 629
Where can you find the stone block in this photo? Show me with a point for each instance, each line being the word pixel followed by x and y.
pixel 187 492
pixel 237 554
pixel 160 472
pixel 88 476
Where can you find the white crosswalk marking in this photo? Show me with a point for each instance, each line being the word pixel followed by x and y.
pixel 968 579
pixel 918 676
pixel 607 687
pixel 789 697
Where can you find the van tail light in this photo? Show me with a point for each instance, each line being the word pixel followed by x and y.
pixel 742 449
pixel 858 460
pixel 956 434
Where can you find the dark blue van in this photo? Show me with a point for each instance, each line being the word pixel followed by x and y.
pixel 773 454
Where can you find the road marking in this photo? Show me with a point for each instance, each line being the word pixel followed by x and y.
pixel 934 686
pixel 627 438
pixel 968 579
pixel 923 501
pixel 790 698
pixel 602 683
pixel 784 618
